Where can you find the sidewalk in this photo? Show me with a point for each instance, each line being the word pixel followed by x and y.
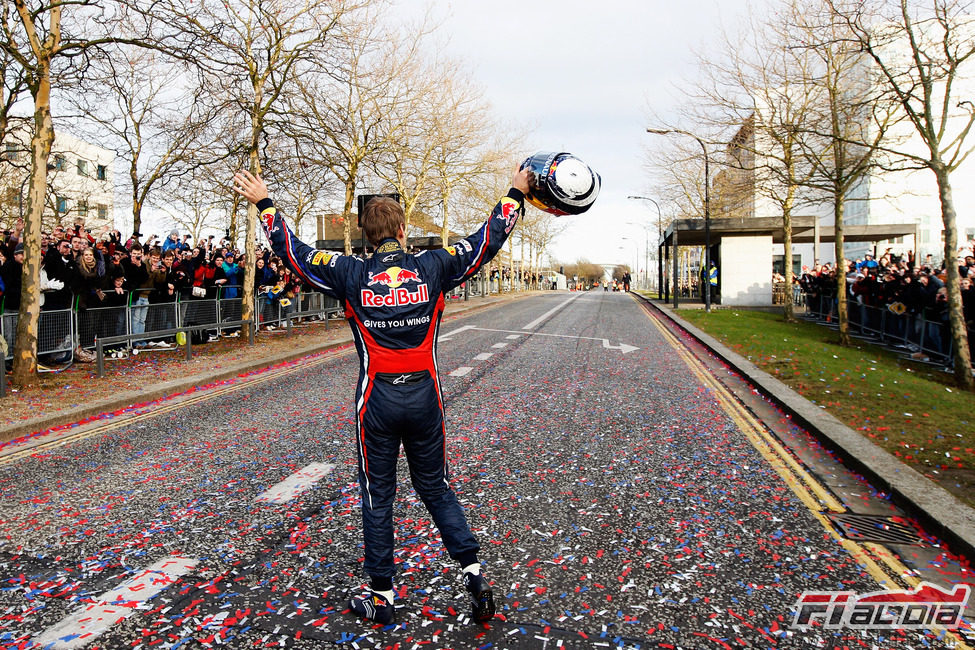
pixel 75 395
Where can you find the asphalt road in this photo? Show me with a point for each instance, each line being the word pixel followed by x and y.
pixel 619 499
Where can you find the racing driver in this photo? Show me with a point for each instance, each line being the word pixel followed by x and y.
pixel 394 301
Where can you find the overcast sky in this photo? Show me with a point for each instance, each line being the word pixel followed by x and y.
pixel 581 75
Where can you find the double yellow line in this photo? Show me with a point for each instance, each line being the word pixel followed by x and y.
pixel 155 411
pixel 882 565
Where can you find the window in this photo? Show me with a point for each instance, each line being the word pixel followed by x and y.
pixel 83 209
pixel 101 172
pixel 102 211
pixel 10 152
pixel 62 204
pixel 13 196
pixel 59 162
pixel 82 167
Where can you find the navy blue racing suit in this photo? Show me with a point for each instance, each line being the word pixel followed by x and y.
pixel 394 302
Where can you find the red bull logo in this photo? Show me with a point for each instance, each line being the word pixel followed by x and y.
pixel 509 213
pixel 393 277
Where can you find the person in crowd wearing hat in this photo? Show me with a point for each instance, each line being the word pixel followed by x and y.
pixel 172 241
pixel 133 240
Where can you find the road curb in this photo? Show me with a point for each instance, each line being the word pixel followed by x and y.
pixel 940 511
pixel 176 386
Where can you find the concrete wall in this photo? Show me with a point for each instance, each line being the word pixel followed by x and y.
pixel 745 270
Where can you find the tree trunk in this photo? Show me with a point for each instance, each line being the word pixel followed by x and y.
pixel 247 311
pixel 347 216
pixel 136 200
pixel 841 305
pixel 788 312
pixel 956 319
pixel 25 347
pixel 444 229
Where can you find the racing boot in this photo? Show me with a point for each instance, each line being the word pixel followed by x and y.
pixel 373 606
pixel 482 598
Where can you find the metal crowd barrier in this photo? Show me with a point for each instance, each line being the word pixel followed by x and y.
pixel 55 332
pixel 128 338
pixel 60 332
pixel 905 331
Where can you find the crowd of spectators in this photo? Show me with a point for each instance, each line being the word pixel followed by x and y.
pixel 144 277
pixel 913 292
pixel 84 272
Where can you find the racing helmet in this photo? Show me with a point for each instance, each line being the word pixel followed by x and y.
pixel 563 184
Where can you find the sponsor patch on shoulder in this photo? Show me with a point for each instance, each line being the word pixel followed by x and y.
pixel 321 257
pixel 508 212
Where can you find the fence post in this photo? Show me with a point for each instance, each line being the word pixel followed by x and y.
pixel 189 344
pixel 99 359
pixel 251 326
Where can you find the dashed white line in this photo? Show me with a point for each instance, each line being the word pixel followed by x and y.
pixel 534 323
pixel 113 607
pixel 513 336
pixel 500 345
pixel 295 484
pixel 460 372
pixel 484 356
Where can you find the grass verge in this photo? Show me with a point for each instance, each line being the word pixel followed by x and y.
pixel 908 409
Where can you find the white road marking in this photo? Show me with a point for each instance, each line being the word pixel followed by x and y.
pixel 113 607
pixel 446 336
pixel 460 372
pixel 500 345
pixel 622 347
pixel 295 484
pixel 534 323
pixel 513 336
pixel 484 356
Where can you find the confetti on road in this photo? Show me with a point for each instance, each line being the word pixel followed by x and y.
pixel 617 505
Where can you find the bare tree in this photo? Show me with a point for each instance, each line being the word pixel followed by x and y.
pixel 924 55
pixel 855 120
pixel 760 89
pixel 13 168
pixel 191 203
pixel 142 105
pixel 350 112
pixel 49 41
pixel 250 52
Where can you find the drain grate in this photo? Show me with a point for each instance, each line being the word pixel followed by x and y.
pixel 875 528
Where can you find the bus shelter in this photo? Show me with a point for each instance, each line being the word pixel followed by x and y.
pixel 742 250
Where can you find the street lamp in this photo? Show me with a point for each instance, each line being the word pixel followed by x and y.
pixel 707 211
pixel 660 236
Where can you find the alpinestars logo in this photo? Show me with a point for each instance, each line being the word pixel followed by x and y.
pixel 925 606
